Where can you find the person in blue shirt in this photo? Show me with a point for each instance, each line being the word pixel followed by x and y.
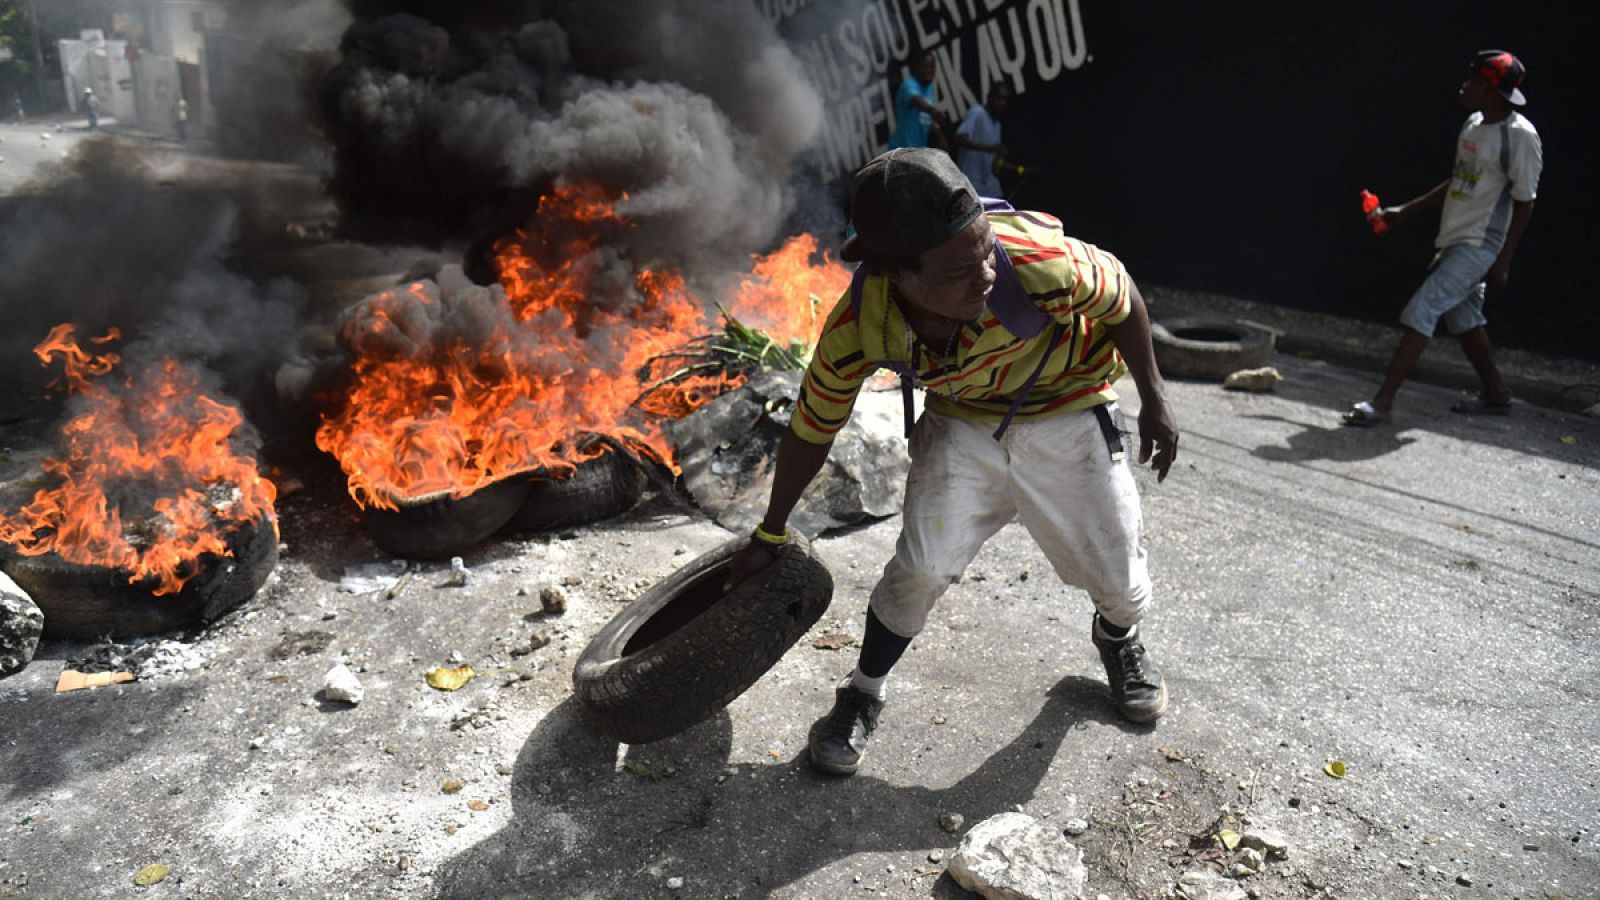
pixel 917 119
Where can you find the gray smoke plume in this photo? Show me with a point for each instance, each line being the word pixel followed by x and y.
pixel 103 242
pixel 449 120
pixel 263 69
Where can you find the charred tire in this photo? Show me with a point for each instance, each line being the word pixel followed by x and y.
pixel 608 485
pixel 91 603
pixel 443 526
pixel 684 649
pixel 1196 348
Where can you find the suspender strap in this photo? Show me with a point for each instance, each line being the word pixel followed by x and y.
pixel 1108 430
pixel 1022 395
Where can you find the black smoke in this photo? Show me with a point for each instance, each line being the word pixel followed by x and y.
pixel 448 120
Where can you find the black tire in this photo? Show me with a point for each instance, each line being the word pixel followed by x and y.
pixel 1196 348
pixel 606 486
pixel 441 526
pixel 91 603
pixel 685 650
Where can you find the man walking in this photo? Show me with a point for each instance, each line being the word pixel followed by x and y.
pixel 1486 205
pixel 978 142
pixel 1015 427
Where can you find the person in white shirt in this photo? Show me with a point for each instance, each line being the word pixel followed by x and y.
pixel 1486 204
pixel 978 146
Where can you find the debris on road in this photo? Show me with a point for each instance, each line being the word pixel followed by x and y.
pixel 341 685
pixel 1013 856
pixel 21 624
pixel 1204 884
pixel 833 640
pixel 553 600
pixel 1255 380
pixel 450 679
pixel 74 680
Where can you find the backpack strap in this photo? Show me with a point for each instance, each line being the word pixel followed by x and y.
pixel 1009 302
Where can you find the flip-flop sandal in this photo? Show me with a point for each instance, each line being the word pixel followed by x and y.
pixel 1477 406
pixel 1365 415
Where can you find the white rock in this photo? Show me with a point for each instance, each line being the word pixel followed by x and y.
pixel 1074 827
pixel 1204 884
pixel 342 686
pixel 674 883
pixel 1253 379
pixel 1013 856
pixel 21 624
pixel 1269 841
pixel 1250 858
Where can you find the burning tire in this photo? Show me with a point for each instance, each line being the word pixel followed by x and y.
pixel 441 525
pixel 1193 348
pixel 82 602
pixel 606 486
pixel 685 649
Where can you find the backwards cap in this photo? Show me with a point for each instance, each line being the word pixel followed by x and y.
pixel 906 201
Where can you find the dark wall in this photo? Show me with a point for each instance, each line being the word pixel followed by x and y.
pixel 1221 146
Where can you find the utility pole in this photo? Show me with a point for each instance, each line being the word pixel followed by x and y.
pixel 38 52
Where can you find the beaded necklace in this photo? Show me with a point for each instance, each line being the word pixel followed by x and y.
pixel 911 341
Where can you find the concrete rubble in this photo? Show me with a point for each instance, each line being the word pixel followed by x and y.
pixel 727 448
pixel 1013 856
pixel 21 623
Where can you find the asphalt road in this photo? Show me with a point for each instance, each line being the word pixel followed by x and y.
pixel 1419 602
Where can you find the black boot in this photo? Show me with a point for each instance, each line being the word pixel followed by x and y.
pixel 839 739
pixel 1135 681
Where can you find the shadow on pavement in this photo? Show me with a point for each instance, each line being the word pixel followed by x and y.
pixel 585 826
pixel 1341 443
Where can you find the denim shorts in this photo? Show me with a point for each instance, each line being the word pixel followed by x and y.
pixel 1453 291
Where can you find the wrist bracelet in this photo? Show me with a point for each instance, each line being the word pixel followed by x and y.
pixel 766 537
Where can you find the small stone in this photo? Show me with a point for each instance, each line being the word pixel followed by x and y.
pixel 1404 863
pixel 504 769
pixel 257 742
pixel 679 551
pixel 340 685
pixel 542 789
pixel 452 786
pixel 951 822
pixel 674 883
pixel 936 856
pixel 1531 847
pixel 553 599
pixel 1271 843
pixel 856 879
pixel 1252 858
pixel 477 805
pixel 1074 827
pixel 1464 880
pixel 938 720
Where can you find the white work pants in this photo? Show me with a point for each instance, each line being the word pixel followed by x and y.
pixel 1056 475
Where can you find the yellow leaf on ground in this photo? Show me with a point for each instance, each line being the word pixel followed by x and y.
pixel 151 874
pixel 1569 439
pixel 1229 838
pixel 452 679
pixel 477 805
pixel 453 786
pixel 1335 768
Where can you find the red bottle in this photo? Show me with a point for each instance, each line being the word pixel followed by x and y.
pixel 1369 205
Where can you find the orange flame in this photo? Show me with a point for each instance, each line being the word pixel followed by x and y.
pixel 431 412
pixel 149 480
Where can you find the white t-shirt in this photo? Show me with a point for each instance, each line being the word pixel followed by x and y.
pixel 1489 175
pixel 977 165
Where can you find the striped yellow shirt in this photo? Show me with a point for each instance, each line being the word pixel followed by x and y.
pixel 1079 285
